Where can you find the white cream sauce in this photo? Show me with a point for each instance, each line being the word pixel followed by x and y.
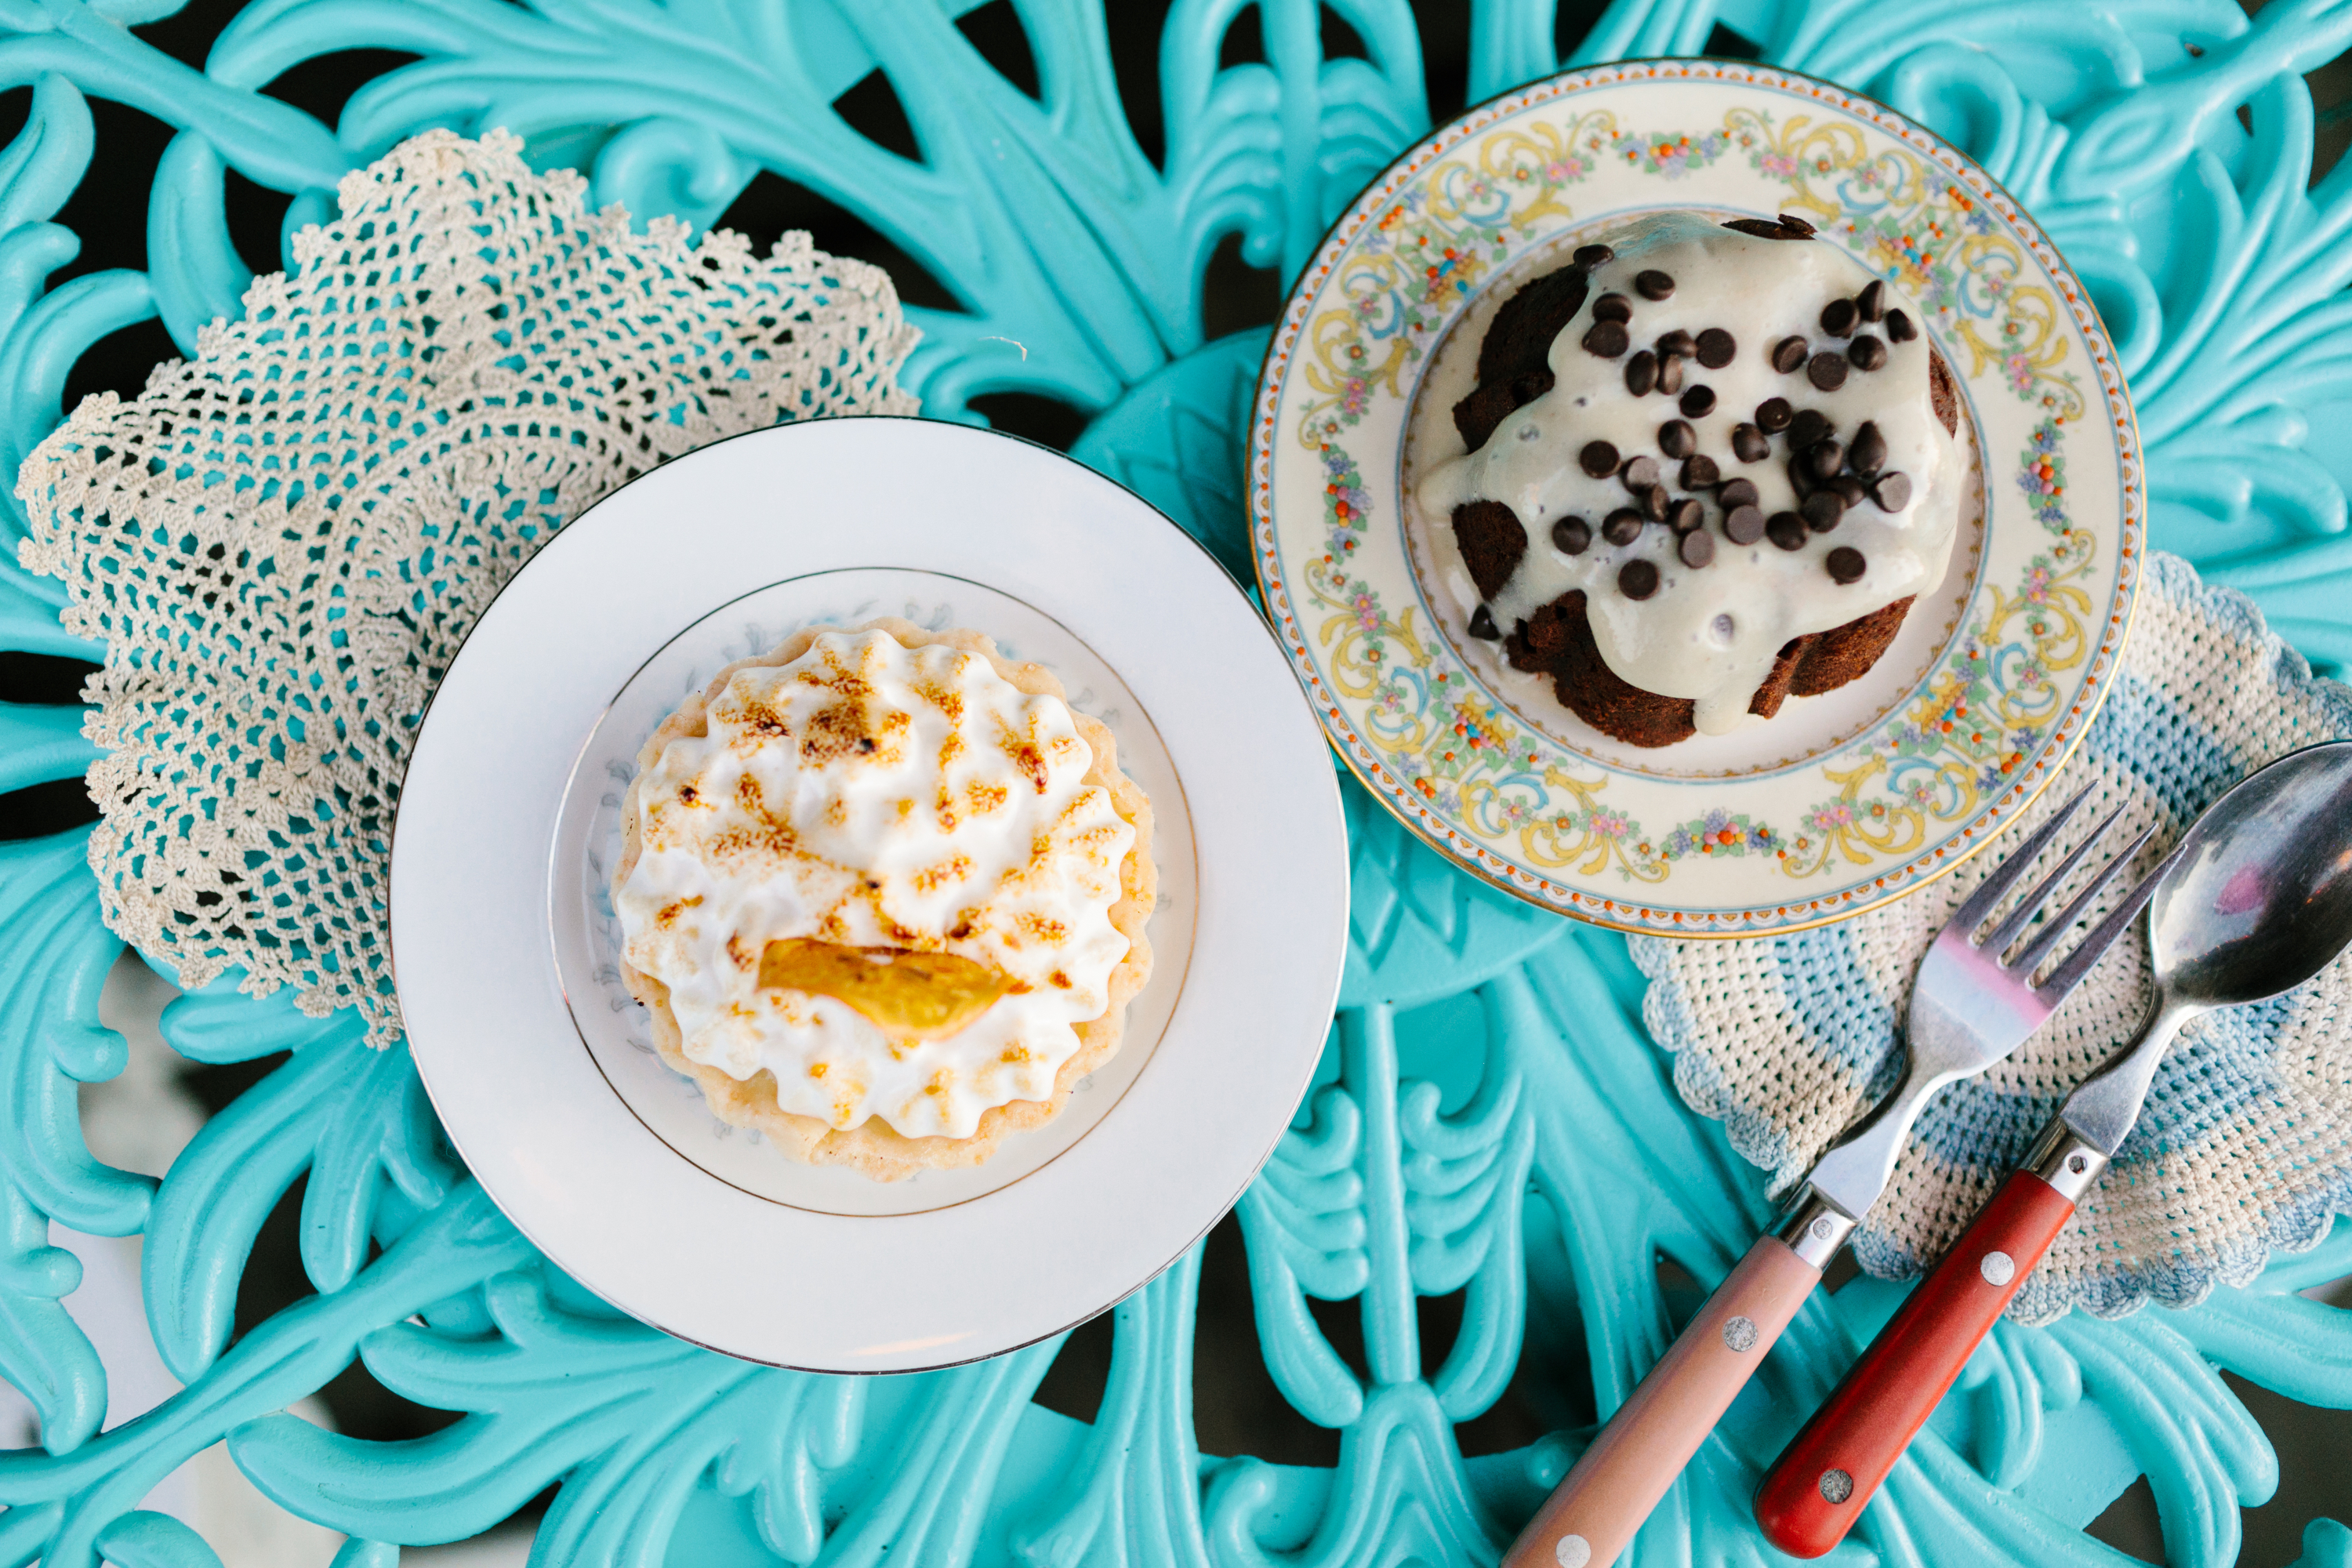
pixel 1711 633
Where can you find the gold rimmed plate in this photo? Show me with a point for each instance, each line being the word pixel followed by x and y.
pixel 1843 801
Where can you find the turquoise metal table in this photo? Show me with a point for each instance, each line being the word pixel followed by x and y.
pixel 1492 1132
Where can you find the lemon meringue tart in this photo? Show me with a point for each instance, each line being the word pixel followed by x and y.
pixel 883 892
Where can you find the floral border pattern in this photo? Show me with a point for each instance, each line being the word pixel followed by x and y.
pixel 1952 751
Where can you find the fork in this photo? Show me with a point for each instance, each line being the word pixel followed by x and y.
pixel 1972 1004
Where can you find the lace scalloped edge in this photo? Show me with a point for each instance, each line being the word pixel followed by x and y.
pixel 2298 1227
pixel 808 334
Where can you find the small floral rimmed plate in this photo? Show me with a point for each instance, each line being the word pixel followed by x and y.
pixel 1845 800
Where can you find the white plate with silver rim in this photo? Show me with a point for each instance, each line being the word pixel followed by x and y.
pixel 504 940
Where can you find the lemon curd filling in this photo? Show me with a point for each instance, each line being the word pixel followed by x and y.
pixel 908 996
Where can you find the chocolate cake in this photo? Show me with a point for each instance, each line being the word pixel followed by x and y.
pixel 1619 471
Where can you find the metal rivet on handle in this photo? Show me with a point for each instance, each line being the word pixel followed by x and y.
pixel 1740 1333
pixel 1998 1267
pixel 1574 1552
pixel 2078 1164
pixel 1822 1227
pixel 1836 1485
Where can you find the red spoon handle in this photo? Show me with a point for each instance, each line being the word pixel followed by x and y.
pixel 1816 1489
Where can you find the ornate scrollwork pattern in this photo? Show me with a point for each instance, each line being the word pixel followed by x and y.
pixel 1492 1123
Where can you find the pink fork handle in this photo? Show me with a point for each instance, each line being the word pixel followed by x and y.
pixel 1620 1479
pixel 1816 1489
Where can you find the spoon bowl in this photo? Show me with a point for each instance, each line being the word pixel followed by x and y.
pixel 2254 900
pixel 2258 896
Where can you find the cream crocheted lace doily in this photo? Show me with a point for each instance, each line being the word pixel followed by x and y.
pixel 283 544
pixel 2245 1146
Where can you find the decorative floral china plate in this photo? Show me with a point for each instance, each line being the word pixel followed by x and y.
pixel 1844 800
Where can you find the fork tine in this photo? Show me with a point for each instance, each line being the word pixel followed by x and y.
pixel 2054 930
pixel 2030 905
pixel 1981 902
pixel 2094 947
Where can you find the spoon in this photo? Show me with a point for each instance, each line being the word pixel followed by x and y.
pixel 2254 901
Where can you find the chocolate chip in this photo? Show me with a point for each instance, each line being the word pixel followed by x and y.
pixel 1838 318
pixel 1871 301
pixel 1698 402
pixel 1866 353
pixel 1637 579
pixel 1572 535
pixel 1677 440
pixel 1697 548
pixel 1677 343
pixel 1823 458
pixel 1892 492
pixel 1773 415
pixel 1790 220
pixel 1700 472
pixel 1808 427
pixel 1639 473
pixel 1786 529
pixel 1599 459
pixel 1899 327
pixel 1868 453
pixel 1801 475
pixel 1686 514
pixel 1641 373
pixel 1670 374
pixel 1607 338
pixel 1788 356
pixel 1762 228
pixel 1822 509
pixel 1590 256
pixel 1825 370
pixel 1736 492
pixel 1623 526
pixel 1653 503
pixel 1654 284
pixel 1716 348
pixel 1613 308
pixel 1846 564
pixel 1744 524
pixel 1850 489
pixel 1748 443
pixel 1483 626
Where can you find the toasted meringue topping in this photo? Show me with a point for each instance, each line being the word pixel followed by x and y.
pixel 882 878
